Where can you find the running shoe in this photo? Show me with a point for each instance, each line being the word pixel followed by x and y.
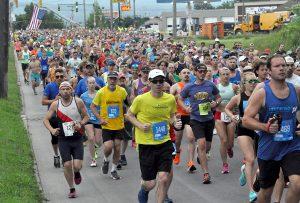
pixel 105 167
pixel 252 196
pixel 225 168
pixel 119 165
pixel 96 154
pixel 143 196
pixel 77 178
pixel 191 167
pixel 94 163
pixel 256 185
pixel 114 175
pixel 72 193
pixel 176 159
pixel 230 152
pixel 206 178
pixel 56 161
pixel 168 200
pixel 123 160
pixel 242 178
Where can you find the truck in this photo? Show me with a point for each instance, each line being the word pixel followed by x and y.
pixel 263 22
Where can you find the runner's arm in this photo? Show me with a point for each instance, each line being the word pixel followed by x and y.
pixel 132 119
pixel 234 101
pixel 254 105
pixel 48 116
pixel 82 111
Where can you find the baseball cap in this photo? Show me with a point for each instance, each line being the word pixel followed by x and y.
pixel 264 56
pixel 42 46
pixel 217 40
pixel 111 63
pixel 214 57
pixel 155 73
pixel 289 59
pixel 242 58
pixel 113 74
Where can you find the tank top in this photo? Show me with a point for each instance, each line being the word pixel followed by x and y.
pixel 236 79
pixel 243 103
pixel 66 115
pixel 180 109
pixel 140 87
pixel 44 64
pixel 226 92
pixel 274 147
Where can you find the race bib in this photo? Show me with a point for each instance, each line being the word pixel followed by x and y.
pixel 26 56
pixel 68 128
pixel 204 108
pixel 113 111
pixel 92 116
pixel 160 130
pixel 44 68
pixel 187 102
pixel 225 118
pixel 286 132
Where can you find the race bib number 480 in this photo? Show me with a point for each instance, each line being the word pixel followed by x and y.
pixel 160 130
pixel 68 128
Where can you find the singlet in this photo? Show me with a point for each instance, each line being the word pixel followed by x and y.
pixel 276 146
pixel 67 114
pixel 180 109
pixel 243 103
pixel 236 79
pixel 140 87
pixel 226 92
pixel 26 57
pixel 44 64
pixel 88 101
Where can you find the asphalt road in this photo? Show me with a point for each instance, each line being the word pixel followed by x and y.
pixel 96 187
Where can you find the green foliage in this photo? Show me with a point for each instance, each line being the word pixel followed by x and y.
pixel 226 5
pixel 17 180
pixel 49 21
pixel 100 20
pixel 202 6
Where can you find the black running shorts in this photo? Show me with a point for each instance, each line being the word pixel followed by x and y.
pixel 108 135
pixel 185 121
pixel 154 159
pixel 269 170
pixel 24 66
pixel 203 129
pixel 70 148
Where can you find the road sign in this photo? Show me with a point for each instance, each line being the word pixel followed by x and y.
pixel 125 7
pixel 120 1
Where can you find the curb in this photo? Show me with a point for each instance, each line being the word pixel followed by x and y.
pixel 26 125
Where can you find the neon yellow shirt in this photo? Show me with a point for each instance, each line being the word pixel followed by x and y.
pixel 155 111
pixel 111 107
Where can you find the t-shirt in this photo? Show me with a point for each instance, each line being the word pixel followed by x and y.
pixel 87 100
pixel 156 111
pixel 82 85
pixel 51 91
pixel 295 80
pixel 200 97
pixel 111 107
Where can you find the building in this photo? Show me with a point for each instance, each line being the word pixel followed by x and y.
pixel 198 17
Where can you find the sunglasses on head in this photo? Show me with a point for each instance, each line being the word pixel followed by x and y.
pixel 160 81
pixel 59 76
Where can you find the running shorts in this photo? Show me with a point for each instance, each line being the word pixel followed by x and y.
pixel 203 129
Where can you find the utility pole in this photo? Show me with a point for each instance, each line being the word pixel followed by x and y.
pixel 111 15
pixel 174 19
pixel 119 8
pixel 84 13
pixel 134 13
pixel 94 6
pixel 4 36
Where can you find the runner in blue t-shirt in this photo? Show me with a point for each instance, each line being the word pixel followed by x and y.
pixel 93 128
pixel 203 96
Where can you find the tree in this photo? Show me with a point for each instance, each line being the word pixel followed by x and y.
pixel 226 5
pixel 202 5
pixel 49 21
pixel 98 17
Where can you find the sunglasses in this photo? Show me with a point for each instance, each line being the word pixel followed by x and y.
pixel 253 81
pixel 59 76
pixel 161 81
pixel 146 72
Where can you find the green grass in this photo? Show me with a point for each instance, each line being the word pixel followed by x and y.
pixel 17 179
pixel 288 35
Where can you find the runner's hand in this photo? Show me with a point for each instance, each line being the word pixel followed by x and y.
pixel 177 123
pixel 298 130
pixel 145 127
pixel 77 126
pixel 235 119
pixel 272 126
pixel 188 109
pixel 55 131
pixel 213 104
pixel 103 122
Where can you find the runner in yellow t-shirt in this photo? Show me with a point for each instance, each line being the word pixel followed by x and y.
pixel 111 100
pixel 151 113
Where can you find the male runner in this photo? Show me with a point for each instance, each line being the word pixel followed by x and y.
pixel 72 116
pixel 35 70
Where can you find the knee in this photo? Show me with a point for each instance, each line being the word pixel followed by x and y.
pixel 162 178
pixel 295 186
pixel 249 160
pixel 68 165
pixel 148 185
pixel 77 166
pixel 201 144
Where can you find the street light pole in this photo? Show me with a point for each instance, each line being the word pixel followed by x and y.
pixel 174 19
pixel 111 15
pixel 84 13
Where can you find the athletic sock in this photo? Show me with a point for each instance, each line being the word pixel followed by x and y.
pixel 113 167
pixel 105 158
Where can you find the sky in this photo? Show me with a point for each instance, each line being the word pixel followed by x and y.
pixel 147 8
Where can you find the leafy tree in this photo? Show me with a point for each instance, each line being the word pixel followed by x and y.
pixel 100 19
pixel 226 5
pixel 49 21
pixel 202 5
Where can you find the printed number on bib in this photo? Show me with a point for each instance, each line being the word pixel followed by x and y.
pixel 44 68
pixel 113 111
pixel 68 128
pixel 225 118
pixel 286 132
pixel 160 130
pixel 204 108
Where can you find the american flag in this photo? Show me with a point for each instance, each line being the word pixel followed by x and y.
pixel 37 17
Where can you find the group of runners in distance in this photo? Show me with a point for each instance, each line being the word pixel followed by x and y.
pixel 103 88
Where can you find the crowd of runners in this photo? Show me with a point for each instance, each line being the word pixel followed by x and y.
pixel 104 88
